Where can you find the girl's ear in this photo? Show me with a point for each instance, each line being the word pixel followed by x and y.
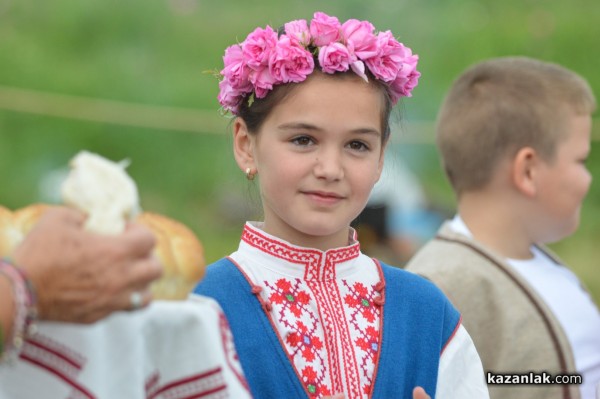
pixel 524 171
pixel 243 145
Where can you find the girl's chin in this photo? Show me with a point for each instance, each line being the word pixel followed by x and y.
pixel 322 233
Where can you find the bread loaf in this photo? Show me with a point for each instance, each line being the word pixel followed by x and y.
pixel 180 252
pixel 15 225
pixel 177 247
pixel 103 190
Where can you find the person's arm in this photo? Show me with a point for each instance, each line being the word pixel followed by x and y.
pixel 79 276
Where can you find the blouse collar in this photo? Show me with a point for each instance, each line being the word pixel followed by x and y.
pixel 302 262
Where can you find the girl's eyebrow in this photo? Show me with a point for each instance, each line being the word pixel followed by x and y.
pixel 367 130
pixel 297 126
pixel 308 126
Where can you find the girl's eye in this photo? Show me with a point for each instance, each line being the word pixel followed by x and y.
pixel 302 140
pixel 358 146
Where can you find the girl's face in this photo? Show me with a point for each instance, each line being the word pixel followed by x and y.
pixel 318 155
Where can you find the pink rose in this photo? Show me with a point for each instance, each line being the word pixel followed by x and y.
pixel 290 61
pixel 407 79
pixel 359 38
pixel 236 71
pixel 228 97
pixel 409 65
pixel 263 81
pixel 324 29
pixel 334 57
pixel 258 45
pixel 358 67
pixel 390 56
pixel 299 30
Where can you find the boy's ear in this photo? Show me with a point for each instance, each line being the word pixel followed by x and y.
pixel 243 145
pixel 524 171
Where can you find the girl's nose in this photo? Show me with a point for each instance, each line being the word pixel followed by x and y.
pixel 328 166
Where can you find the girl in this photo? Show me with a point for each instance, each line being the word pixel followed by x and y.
pixel 311 315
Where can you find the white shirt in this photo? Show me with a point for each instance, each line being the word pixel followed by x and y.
pixel 325 312
pixel 579 317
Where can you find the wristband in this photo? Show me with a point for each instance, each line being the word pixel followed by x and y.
pixel 25 314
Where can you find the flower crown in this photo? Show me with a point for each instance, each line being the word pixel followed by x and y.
pixel 266 59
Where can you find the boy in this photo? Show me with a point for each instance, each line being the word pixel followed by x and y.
pixel 514 134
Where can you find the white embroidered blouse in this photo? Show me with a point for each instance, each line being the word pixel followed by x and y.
pixel 325 307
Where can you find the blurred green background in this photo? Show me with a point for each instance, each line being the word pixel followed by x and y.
pixel 127 79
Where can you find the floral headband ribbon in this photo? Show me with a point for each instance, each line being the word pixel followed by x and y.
pixel 266 59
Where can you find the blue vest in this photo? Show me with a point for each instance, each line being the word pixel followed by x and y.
pixel 418 321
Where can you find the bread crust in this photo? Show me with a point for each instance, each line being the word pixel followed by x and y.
pixel 14 226
pixel 180 252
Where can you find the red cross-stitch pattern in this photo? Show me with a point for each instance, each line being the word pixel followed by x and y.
pixel 329 326
pixel 304 340
pixel 365 318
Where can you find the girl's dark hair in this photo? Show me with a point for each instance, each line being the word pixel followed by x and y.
pixel 256 112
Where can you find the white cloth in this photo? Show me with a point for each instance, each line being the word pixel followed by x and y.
pixel 169 350
pixel 328 317
pixel 460 372
pixel 573 306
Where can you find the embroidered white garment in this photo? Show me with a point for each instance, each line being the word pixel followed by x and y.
pixel 175 350
pixel 326 309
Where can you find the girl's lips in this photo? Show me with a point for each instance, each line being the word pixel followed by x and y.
pixel 323 197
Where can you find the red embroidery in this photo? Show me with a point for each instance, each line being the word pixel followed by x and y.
pixel 305 341
pixel 290 298
pixel 365 321
pixel 360 299
pixel 58 360
pixel 328 325
pixel 209 384
pixel 309 257
pixel 313 383
pixel 279 249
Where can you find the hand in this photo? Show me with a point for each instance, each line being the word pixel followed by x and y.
pixel 419 393
pixel 81 276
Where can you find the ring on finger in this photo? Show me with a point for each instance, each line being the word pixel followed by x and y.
pixel 136 300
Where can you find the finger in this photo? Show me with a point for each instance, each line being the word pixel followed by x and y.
pixel 68 215
pixel 419 393
pixel 130 300
pixel 136 300
pixel 143 272
pixel 138 239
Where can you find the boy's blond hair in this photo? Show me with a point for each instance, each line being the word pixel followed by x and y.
pixel 501 105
